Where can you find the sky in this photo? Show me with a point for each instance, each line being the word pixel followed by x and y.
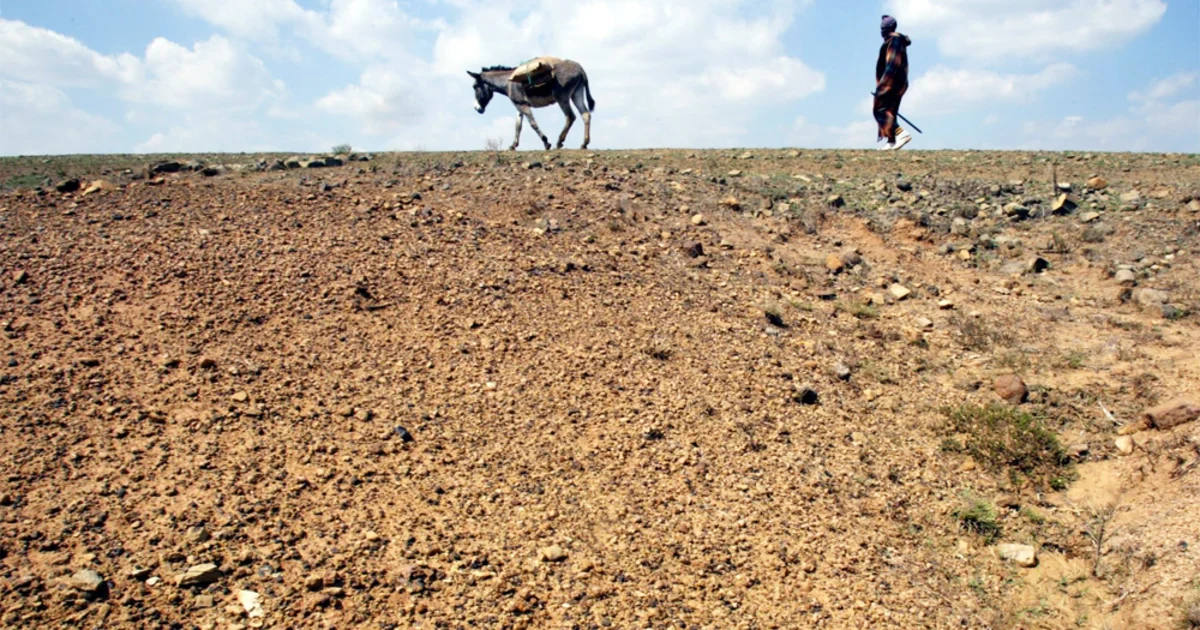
pixel 158 76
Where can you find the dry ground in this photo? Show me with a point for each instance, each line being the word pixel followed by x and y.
pixel 593 390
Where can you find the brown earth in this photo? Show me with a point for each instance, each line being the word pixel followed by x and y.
pixel 660 389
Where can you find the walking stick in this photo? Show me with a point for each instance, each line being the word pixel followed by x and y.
pixel 910 123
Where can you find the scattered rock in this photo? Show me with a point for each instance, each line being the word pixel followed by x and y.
pixel 252 603
pixel 1062 204
pixel 842 371
pixel 698 219
pixel 1078 450
pixel 1020 555
pixel 87 581
pixel 208 363
pixel 553 553
pixel 1125 276
pixel 1172 414
pixel 1132 196
pixel 240 397
pixel 68 186
pixel 1011 389
pixel 1194 205
pixel 97 186
pixel 1124 445
pixel 693 249
pixel 199 575
pixel 1088 217
pixel 834 263
pixel 212 171
pixel 334 161
pixel 198 534
pixel 924 323
pixel 945 305
pixel 899 291
pixel 731 203
pixel 203 601
pixel 166 167
pixel 404 435
pixel 139 574
pixel 835 201
pixel 1097 183
pixel 806 395
pixel 1151 297
pixel 20 277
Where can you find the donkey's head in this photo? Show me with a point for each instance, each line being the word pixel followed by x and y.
pixel 483 92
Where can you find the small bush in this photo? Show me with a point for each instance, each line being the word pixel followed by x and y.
pixel 979 516
pixel 859 310
pixel 342 148
pixel 1004 439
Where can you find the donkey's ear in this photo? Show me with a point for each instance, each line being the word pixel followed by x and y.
pixel 474 75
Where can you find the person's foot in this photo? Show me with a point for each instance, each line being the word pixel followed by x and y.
pixel 902 139
pixel 891 146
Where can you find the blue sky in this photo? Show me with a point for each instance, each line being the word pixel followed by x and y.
pixel 120 76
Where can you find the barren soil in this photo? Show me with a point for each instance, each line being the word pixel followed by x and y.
pixel 656 389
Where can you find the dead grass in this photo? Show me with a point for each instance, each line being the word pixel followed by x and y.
pixel 979 334
pixel 1007 441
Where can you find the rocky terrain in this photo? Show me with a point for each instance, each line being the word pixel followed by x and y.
pixel 656 389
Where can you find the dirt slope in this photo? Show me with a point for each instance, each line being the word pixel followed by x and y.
pixel 586 390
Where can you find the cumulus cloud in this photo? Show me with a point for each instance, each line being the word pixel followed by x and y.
pixel 944 90
pixel 1001 30
pixel 40 119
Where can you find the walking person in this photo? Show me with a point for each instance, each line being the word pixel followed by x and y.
pixel 891 82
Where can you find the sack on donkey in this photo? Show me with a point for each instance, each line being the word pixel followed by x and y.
pixel 535 72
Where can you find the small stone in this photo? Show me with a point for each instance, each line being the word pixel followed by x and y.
pixel 240 397
pixel 842 371
pixel 68 186
pixel 198 534
pixel 1097 183
pixel 834 263
pixel 199 575
pixel 1125 276
pixel 693 249
pixel 404 435
pixel 835 201
pixel 252 603
pixel 1079 450
pixel 87 581
pixel 154 581
pixel 1020 555
pixel 1194 205
pixel 1151 297
pixel 363 415
pixel 139 574
pixel 207 363
pixel 924 323
pixel 1037 265
pixel 899 291
pixel 1011 389
pixel 807 395
pixel 345 411
pixel 204 601
pixel 698 219
pixel 1064 186
pixel 1132 196
pixel 371 536
pixel 1062 204
pixel 89 361
pixel 20 277
pixel 945 305
pixel 1089 217
pixel 735 173
pixel 729 202
pixel 1124 445
pixel 553 553
pixel 1172 414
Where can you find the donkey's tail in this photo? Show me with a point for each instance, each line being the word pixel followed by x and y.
pixel 591 101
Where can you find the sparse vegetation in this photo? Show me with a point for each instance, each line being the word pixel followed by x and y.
pixel 342 149
pixel 978 515
pixel 858 309
pixel 1098 530
pixel 978 334
pixel 1006 440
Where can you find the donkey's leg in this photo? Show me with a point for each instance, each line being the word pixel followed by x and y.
pixel 580 99
pixel 517 138
pixel 528 111
pixel 565 104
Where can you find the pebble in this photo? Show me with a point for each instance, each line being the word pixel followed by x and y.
pixel 1011 389
pixel 899 291
pixel 1020 555
pixel 553 553
pixel 240 397
pixel 404 435
pixel 807 395
pixel 199 575
pixel 1125 276
pixel 1124 445
pixel 1151 297
pixel 204 601
pixel 842 371
pixel 924 323
pixel 836 201
pixel 87 581
pixel 1097 183
pixel 252 603
pixel 697 219
pixel 20 277
pixel 1088 217
pixel 693 249
pixel 945 305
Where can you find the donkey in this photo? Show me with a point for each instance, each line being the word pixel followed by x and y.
pixel 570 84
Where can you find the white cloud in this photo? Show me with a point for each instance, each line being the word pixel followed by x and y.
pixel 1158 120
pixel 1001 30
pixel 944 90
pixel 38 55
pixel 41 120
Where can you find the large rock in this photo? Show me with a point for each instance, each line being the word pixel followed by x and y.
pixel 899 291
pixel 1020 555
pixel 1151 297
pixel 1011 389
pixel 68 186
pixel 1097 183
pixel 87 581
pixel 334 161
pixel 1172 414
pixel 166 167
